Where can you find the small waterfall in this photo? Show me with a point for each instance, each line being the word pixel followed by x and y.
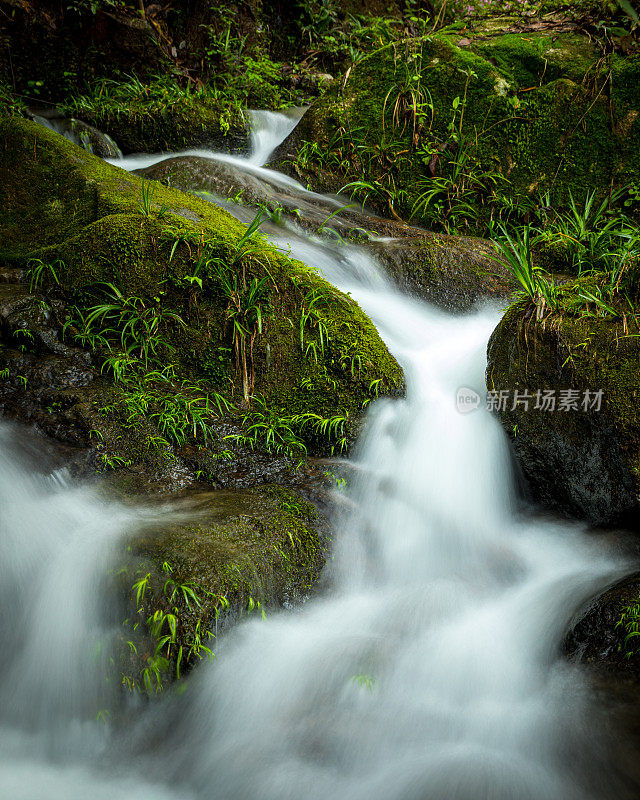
pixel 431 669
pixel 428 669
pixel 268 130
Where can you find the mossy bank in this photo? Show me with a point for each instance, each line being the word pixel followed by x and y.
pixel 460 128
pixel 172 266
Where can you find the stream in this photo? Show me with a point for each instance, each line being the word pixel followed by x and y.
pixel 428 669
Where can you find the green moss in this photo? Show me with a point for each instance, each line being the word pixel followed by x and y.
pixel 252 551
pixel 97 227
pixel 534 112
pixel 262 543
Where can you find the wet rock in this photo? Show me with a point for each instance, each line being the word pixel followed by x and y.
pixel 199 174
pixel 86 218
pixel 579 462
pixel 453 272
pixel 243 552
pixel 28 320
pixel 599 636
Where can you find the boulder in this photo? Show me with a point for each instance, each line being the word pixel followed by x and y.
pixel 93 230
pixel 242 552
pixel 581 461
pixel 507 109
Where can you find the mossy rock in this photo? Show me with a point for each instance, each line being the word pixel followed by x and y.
pixel 267 543
pixel 453 272
pixel 154 127
pixel 65 206
pixel 542 112
pixel 582 463
pixel 245 552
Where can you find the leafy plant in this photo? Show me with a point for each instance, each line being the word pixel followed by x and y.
pixel 146 204
pixel 516 253
pixel 247 302
pixel 38 271
pixel 163 623
pixel 136 323
pixel 629 625
pixel 312 318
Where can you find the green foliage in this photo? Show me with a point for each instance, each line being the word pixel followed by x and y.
pixel 39 272
pixel 176 616
pixel 596 242
pixel 146 204
pixel 9 103
pixel 516 253
pixel 131 336
pixel 365 681
pixel 342 40
pixel 137 327
pixel 171 652
pixel 283 434
pixel 454 198
pixel 247 302
pixel 312 319
pixel 629 626
pixel 180 409
pixel 589 234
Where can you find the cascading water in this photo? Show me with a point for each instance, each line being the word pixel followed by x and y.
pixel 268 130
pixel 427 670
pixel 82 134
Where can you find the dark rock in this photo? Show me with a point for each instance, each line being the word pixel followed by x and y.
pixel 453 272
pixel 598 636
pixel 581 463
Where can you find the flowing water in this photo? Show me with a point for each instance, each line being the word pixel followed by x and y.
pixel 427 670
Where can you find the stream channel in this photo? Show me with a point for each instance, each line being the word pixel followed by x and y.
pixel 429 667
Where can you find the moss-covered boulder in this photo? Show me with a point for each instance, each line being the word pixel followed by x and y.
pixel 454 272
pixel 174 268
pixel 580 455
pixel 245 552
pixel 451 124
pixel 154 123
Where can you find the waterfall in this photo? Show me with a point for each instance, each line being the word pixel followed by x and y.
pixel 268 130
pixel 428 668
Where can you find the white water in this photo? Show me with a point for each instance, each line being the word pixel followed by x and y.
pixel 79 133
pixel 450 603
pixel 268 130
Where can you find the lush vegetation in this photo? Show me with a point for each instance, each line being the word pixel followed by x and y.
pixel 583 260
pixel 211 346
